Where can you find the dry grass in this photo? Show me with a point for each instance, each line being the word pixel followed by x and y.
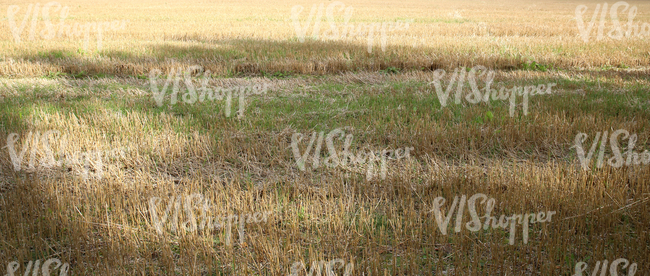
pixel 251 38
pixel 103 226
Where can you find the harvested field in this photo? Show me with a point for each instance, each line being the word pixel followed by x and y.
pixel 392 138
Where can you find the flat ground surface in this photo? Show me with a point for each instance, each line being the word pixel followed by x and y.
pixel 83 192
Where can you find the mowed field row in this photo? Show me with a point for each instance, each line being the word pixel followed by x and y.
pixel 251 38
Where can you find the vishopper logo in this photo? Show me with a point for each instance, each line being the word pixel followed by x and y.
pixel 90 160
pixel 51 31
pixel 616 31
pixel 613 268
pixel 487 92
pixel 316 268
pixel 206 92
pixel 348 30
pixel 197 203
pixel 631 156
pixel 35 267
pixel 362 158
pixel 475 224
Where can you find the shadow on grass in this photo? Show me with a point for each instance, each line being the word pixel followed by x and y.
pixel 235 57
